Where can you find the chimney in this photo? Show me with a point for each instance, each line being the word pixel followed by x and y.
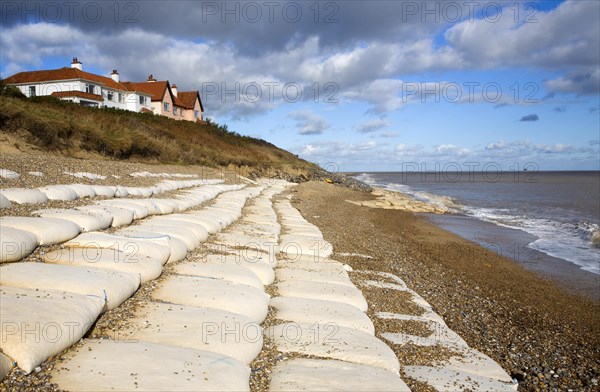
pixel 115 75
pixel 77 64
pixel 174 89
pixel 151 78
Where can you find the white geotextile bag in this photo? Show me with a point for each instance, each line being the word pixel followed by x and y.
pixel 102 365
pixel 155 248
pixel 16 244
pixel 48 231
pixel 210 293
pixel 37 324
pixel 86 220
pixel 114 286
pixel 146 267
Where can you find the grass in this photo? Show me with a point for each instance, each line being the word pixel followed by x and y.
pixel 65 128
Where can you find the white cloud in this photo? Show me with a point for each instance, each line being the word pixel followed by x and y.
pixel 308 123
pixel 372 125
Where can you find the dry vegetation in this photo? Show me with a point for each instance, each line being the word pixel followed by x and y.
pixel 66 128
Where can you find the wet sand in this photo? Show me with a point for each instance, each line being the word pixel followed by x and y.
pixel 543 335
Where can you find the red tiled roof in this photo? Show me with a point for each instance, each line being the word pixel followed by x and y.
pixel 187 99
pixel 155 89
pixel 64 73
pixel 79 94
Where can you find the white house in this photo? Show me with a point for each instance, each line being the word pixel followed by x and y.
pixel 76 85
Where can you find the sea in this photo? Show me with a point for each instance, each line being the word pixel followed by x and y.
pixel 533 217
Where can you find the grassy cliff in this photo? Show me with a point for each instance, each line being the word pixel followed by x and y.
pixel 68 129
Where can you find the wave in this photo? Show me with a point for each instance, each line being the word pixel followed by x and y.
pixel 575 241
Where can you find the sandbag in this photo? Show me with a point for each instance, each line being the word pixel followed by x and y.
pixel 205 329
pixel 59 192
pixel 210 293
pixel 324 291
pixel 113 286
pixel 16 244
pixel 86 220
pixel 101 365
pixel 148 268
pixel 155 248
pixel 177 247
pixel 4 202
pixel 318 375
pixel 232 273
pixel 311 311
pixel 37 324
pixel 82 190
pixel 121 216
pixel 24 196
pixel 335 342
pixel 6 365
pixel 48 231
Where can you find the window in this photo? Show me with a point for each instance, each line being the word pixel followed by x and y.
pixel 121 98
pixel 166 106
pixel 90 88
pixel 110 95
pixel 32 91
pixel 175 111
pixel 142 100
pixel 196 114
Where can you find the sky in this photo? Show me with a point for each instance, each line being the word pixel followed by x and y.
pixel 351 85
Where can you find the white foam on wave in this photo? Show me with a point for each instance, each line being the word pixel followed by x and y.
pixel 577 242
pixel 568 241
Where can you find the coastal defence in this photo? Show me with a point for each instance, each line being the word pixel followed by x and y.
pixel 238 284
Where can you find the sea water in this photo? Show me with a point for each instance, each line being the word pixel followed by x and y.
pixel 560 211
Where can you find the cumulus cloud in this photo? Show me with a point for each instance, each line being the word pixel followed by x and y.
pixel 579 83
pixel 308 123
pixel 389 134
pixel 364 55
pixel 372 125
pixel 530 118
pixel 560 109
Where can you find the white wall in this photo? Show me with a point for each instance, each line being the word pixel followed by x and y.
pixel 130 100
pixel 48 88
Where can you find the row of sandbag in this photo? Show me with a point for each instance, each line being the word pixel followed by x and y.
pixel 70 192
pixel 21 235
pixel 46 307
pixel 199 330
pixel 325 319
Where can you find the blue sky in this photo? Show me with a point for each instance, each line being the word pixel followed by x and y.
pixel 506 82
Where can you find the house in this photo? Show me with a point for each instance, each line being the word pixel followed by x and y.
pixel 85 88
pixel 190 100
pixel 167 101
pixel 88 89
